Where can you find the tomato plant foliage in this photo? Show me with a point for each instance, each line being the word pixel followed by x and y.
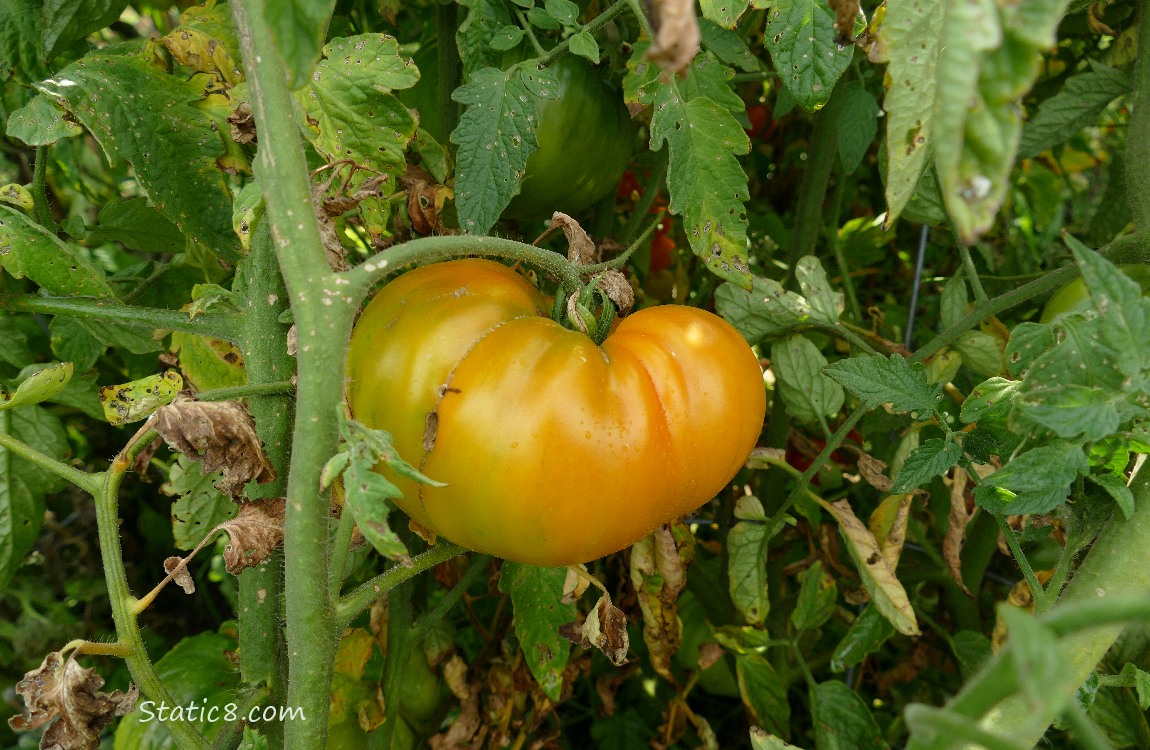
pixel 592 374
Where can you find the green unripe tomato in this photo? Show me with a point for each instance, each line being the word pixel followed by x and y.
pixel 1075 293
pixel 585 138
pixel 421 691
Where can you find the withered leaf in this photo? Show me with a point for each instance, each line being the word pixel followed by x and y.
pixel 425 203
pixel 658 574
pixel 580 249
pixel 618 290
pixel 606 630
pixel 846 12
pixel 254 533
pixel 178 570
pixel 574 585
pixel 68 697
pixel 461 732
pixel 332 245
pixel 677 36
pixel 879 580
pixel 221 435
pixel 958 519
pixel 243 124
pixel 888 524
pixel 873 471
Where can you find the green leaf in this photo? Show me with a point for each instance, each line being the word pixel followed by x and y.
pixel 826 304
pixel 507 37
pixel 724 13
pixel 707 77
pixel 483 21
pixel 1077 104
pixel 41 121
pixel 990 399
pixel 981 353
pixel 801 37
pixel 1037 481
pixel 199 506
pixel 538 614
pixel 299 28
pixel 68 21
pixel 23 484
pixel 22 55
pixel 971 649
pixel 764 693
pixel 808 393
pixel 747 560
pixel 1115 486
pixel 911 37
pixel 878 380
pixel 81 341
pixel 40 385
pixel 1036 654
pixel 1028 341
pixel 145 117
pixel 643 80
pixel 1124 313
pixel 842 720
pixel 765 311
pixel 541 19
pixel 857 126
pixel 931 459
pixel 952 305
pixel 817 597
pixel 707 184
pixel 728 46
pixel 564 11
pixel 27 249
pixel 761 740
pixel 495 136
pixel 584 45
pixel 867 634
pixel 197 671
pixel 131 402
pixel 137 225
pixel 351 114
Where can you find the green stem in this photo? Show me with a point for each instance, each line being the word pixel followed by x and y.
pixel 432 616
pixel 428 249
pixel 120 596
pixel 640 14
pixel 840 257
pixel 523 22
pixel 356 601
pixel 1138 132
pixel 269 394
pixel 971 273
pixel 824 149
pixel 40 190
pixel 941 726
pixel 340 545
pixel 217 325
pixel 591 27
pixel 323 316
pixel 276 387
pixel 89 483
pixel 1084 730
pixel 1036 590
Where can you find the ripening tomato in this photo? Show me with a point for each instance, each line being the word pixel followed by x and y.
pixel 1075 294
pixel 555 451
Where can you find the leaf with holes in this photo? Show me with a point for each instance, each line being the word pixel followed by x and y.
pixel 802 39
pixel 145 117
pixel 41 121
pixel 536 595
pixel 495 136
pixel 725 13
pixel 351 113
pixel 27 249
pixel 708 186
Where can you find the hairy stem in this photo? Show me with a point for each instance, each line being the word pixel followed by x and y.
pixel 1138 134
pixel 356 601
pixel 323 316
pixel 90 483
pixel 40 190
pixel 217 325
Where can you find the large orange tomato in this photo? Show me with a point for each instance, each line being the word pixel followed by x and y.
pixel 555 451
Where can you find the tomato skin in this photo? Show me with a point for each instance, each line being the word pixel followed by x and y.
pixel 555 451
pixel 585 138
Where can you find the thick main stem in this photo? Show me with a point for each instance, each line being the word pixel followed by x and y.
pixel 323 315
pixel 1138 134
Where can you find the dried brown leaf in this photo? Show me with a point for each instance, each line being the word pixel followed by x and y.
pixel 677 34
pixel 960 517
pixel 68 697
pixel 874 472
pixel 243 124
pixel 658 574
pixel 254 533
pixel 425 201
pixel 178 570
pixel 1095 22
pixel 221 435
pixel 462 732
pixel 606 630
pixel 455 675
pixel 618 290
pixel 709 653
pixel 580 249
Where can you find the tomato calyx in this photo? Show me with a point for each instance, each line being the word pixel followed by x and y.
pixel 579 312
